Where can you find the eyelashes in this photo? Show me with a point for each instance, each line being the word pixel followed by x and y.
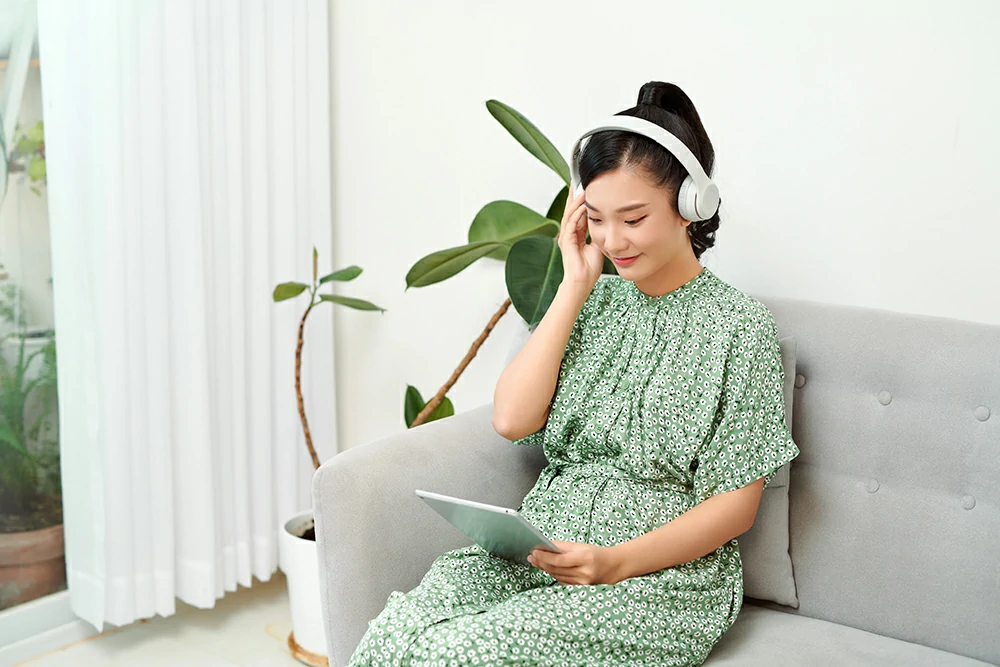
pixel 630 223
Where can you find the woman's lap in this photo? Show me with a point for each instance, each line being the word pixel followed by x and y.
pixel 474 609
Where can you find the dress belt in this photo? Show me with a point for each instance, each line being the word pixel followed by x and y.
pixel 604 471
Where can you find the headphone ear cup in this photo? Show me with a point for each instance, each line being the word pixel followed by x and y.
pixel 708 201
pixel 687 199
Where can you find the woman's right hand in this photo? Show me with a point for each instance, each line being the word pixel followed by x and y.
pixel 582 262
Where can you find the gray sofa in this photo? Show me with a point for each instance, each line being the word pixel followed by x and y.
pixel 894 500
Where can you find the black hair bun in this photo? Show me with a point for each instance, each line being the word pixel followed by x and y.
pixel 668 97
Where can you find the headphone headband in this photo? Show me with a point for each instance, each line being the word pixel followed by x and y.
pixel 704 197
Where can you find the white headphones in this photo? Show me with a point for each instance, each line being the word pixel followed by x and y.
pixel 698 196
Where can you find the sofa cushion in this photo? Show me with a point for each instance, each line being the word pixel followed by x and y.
pixel 767 565
pixel 767 638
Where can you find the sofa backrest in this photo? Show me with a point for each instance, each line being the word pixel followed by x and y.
pixel 894 500
pixel 895 497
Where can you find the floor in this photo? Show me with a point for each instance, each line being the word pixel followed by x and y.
pixel 248 628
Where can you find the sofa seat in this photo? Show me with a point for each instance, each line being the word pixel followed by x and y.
pixel 767 638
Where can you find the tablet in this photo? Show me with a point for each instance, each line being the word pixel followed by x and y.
pixel 499 530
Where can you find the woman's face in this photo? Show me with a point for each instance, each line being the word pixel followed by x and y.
pixel 633 222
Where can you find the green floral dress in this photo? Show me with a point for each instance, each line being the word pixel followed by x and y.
pixel 661 403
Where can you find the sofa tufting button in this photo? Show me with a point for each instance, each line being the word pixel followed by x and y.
pixel 884 397
pixel 982 413
pixel 800 381
pixel 968 502
pixel 871 486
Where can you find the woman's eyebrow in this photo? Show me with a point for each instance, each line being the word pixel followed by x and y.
pixel 623 209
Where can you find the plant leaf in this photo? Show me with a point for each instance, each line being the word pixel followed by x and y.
pixel 530 137
pixel 7 436
pixel 26 145
pixel 356 304
pixel 413 403
pixel 444 264
pixel 558 206
pixel 36 169
pixel 288 290
pixel 444 409
pixel 508 221
pixel 37 132
pixel 344 275
pixel 533 273
pixel 609 267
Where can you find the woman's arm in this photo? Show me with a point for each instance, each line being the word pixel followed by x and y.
pixel 525 388
pixel 699 531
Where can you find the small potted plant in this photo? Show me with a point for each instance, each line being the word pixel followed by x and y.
pixel 31 532
pixel 297 541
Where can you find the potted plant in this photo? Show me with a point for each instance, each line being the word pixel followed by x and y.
pixel 31 532
pixel 297 540
pixel 514 234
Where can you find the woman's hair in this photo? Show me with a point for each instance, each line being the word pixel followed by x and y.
pixel 669 107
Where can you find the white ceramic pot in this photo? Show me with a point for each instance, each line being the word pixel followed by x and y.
pixel 299 561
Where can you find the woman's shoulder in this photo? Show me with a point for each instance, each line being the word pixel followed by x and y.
pixel 735 312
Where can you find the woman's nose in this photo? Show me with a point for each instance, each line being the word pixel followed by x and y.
pixel 614 242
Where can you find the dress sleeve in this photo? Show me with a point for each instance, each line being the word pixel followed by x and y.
pixel 573 348
pixel 750 439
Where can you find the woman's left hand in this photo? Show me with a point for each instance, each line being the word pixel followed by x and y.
pixel 579 564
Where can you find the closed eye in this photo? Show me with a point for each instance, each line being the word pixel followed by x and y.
pixel 627 222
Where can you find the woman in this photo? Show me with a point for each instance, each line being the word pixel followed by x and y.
pixel 656 395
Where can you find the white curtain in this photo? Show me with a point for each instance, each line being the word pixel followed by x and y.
pixel 188 173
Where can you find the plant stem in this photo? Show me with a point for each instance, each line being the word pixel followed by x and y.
pixel 434 402
pixel 298 381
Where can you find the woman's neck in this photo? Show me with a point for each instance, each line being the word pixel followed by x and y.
pixel 674 274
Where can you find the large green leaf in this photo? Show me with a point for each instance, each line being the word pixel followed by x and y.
pixel 444 264
pixel 533 272
pixel 343 275
pixel 609 267
pixel 356 304
pixel 508 221
pixel 530 137
pixel 558 206
pixel 288 290
pixel 413 405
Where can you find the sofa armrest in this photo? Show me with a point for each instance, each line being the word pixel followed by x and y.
pixel 375 536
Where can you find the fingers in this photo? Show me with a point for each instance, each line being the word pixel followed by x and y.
pixel 572 203
pixel 566 560
pixel 566 546
pixel 574 224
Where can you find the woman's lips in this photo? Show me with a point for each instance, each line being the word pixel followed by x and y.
pixel 624 261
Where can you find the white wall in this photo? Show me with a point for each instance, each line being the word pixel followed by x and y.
pixel 857 148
